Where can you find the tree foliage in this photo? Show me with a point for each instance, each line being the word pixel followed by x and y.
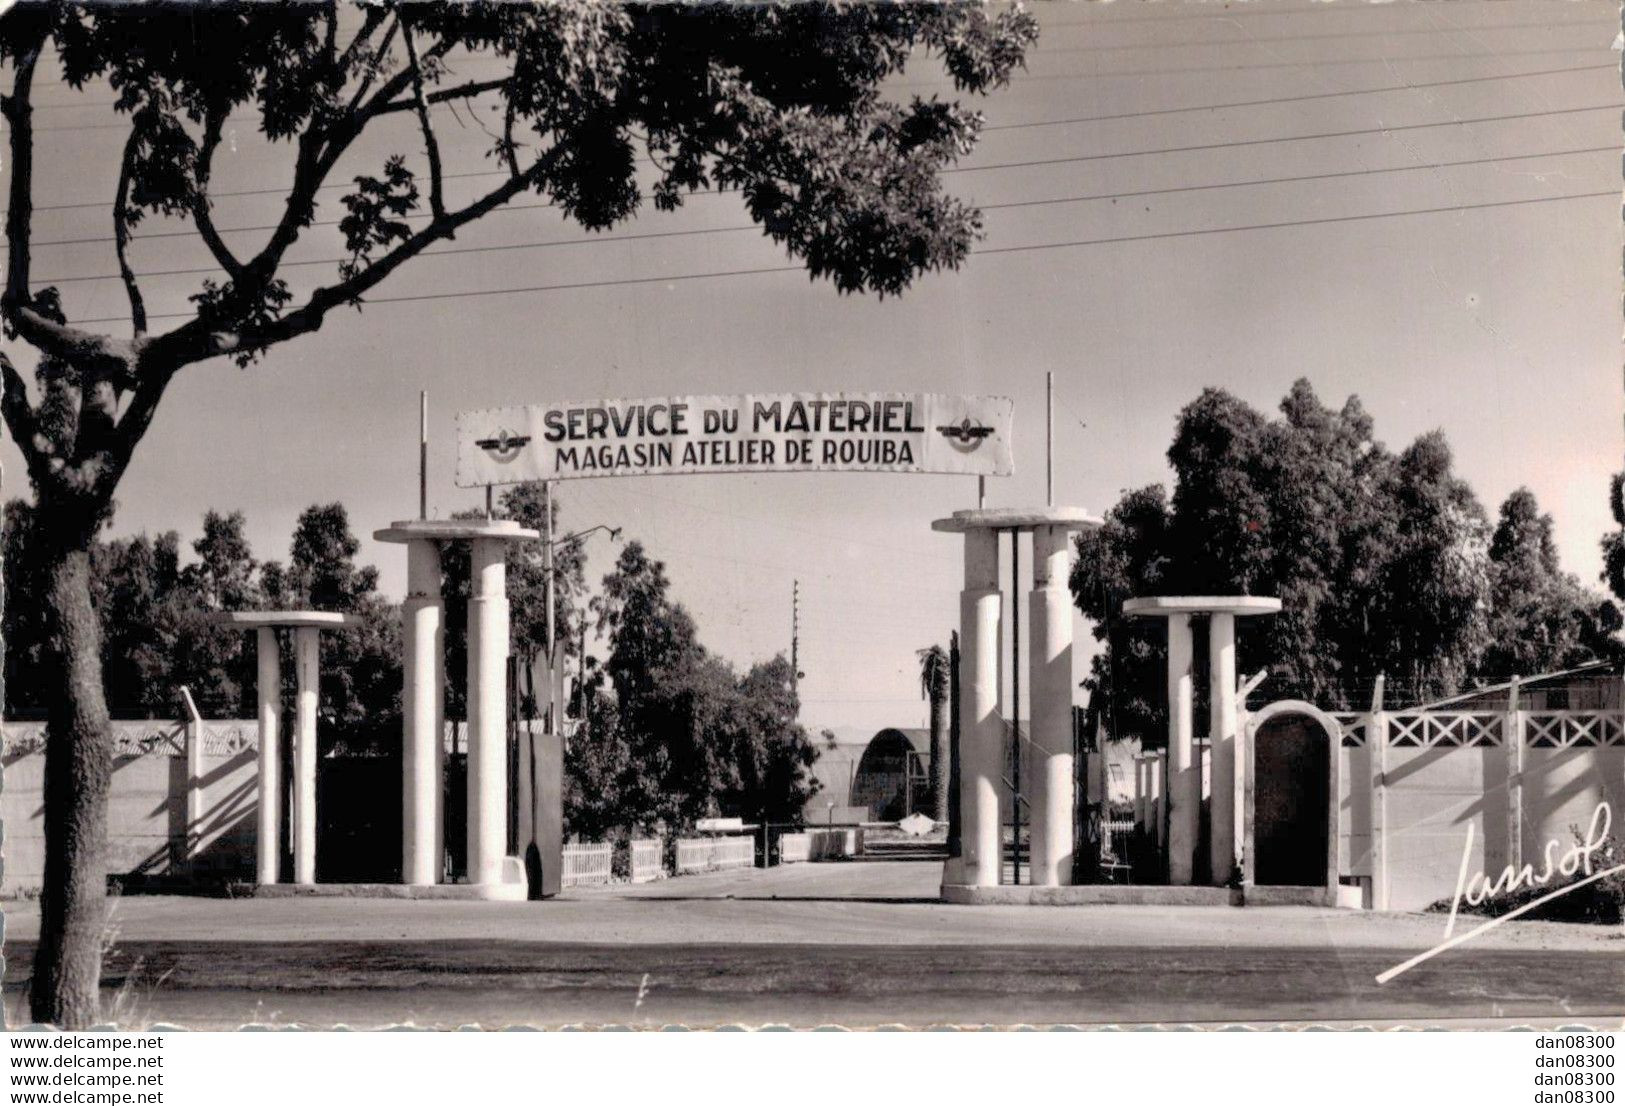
pixel 779 102
pixel 1385 565
pixel 688 737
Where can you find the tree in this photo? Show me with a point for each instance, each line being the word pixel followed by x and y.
pixel 1613 544
pixel 686 737
pixel 934 687
pixel 1384 563
pixel 360 701
pixel 781 103
pixel 663 680
pixel 1540 617
pixel 772 753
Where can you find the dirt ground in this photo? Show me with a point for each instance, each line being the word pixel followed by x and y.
pixel 841 943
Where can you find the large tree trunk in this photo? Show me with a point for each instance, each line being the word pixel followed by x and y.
pixel 939 755
pixel 78 771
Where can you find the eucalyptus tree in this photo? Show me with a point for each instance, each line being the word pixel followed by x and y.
pixel 783 103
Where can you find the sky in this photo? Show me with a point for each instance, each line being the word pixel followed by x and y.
pixel 1141 244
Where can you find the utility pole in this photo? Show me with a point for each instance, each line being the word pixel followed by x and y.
pixel 423 454
pixel 549 725
pixel 795 637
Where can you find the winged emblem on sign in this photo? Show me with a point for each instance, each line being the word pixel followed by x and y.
pixel 504 446
pixel 966 436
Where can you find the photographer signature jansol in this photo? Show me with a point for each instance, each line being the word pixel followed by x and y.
pixel 1556 861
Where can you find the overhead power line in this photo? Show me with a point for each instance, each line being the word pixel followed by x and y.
pixel 1294 99
pixel 229 193
pixel 1158 236
pixel 1070 159
pixel 1271 40
pixel 1310 63
pixel 1008 205
pixel 1235 143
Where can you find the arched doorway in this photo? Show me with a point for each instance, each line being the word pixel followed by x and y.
pixel 893 775
pixel 1293 770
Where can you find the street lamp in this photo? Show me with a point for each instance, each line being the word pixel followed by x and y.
pixel 614 533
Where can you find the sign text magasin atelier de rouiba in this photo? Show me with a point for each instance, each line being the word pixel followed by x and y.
pixel 804 432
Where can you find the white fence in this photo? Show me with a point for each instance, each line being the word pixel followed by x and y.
pixel 710 854
pixel 824 844
pixel 647 862
pixel 587 864
pixel 1118 834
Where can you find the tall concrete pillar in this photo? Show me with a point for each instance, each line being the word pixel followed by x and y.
pixel 1222 742
pixel 269 850
pixel 307 677
pixel 423 632
pixel 1050 667
pixel 981 730
pixel 1184 774
pixel 487 710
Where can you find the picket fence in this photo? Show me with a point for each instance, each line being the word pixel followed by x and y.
pixel 647 862
pixel 587 863
pixel 710 854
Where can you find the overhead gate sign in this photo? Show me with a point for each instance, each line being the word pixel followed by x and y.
pixel 802 432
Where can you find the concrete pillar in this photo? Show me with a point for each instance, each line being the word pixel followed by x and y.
pixel 1222 743
pixel 269 844
pixel 423 646
pixel 1142 791
pixel 1157 770
pixel 1376 740
pixel 1050 667
pixel 1512 736
pixel 307 678
pixel 1184 782
pixel 981 731
pixel 487 710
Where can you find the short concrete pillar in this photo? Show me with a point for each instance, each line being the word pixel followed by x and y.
pixel 1159 796
pixel 1184 774
pixel 268 847
pixel 1142 792
pixel 1052 796
pixel 1222 726
pixel 981 741
pixel 487 710
pixel 307 627
pixel 422 761
pixel 307 680
pixel 1183 783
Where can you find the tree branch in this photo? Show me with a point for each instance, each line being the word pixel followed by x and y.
pixel 369 24
pixel 121 234
pixel 308 317
pixel 20 419
pixel 372 66
pixel 464 91
pixel 437 199
pixel 202 216
pixel 132 426
pixel 19 113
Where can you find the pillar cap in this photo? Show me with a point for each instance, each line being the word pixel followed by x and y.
pixel 326 620
pixel 455 529
pixel 1162 606
pixel 1016 518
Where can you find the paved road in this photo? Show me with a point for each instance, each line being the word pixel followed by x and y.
pixel 851 944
